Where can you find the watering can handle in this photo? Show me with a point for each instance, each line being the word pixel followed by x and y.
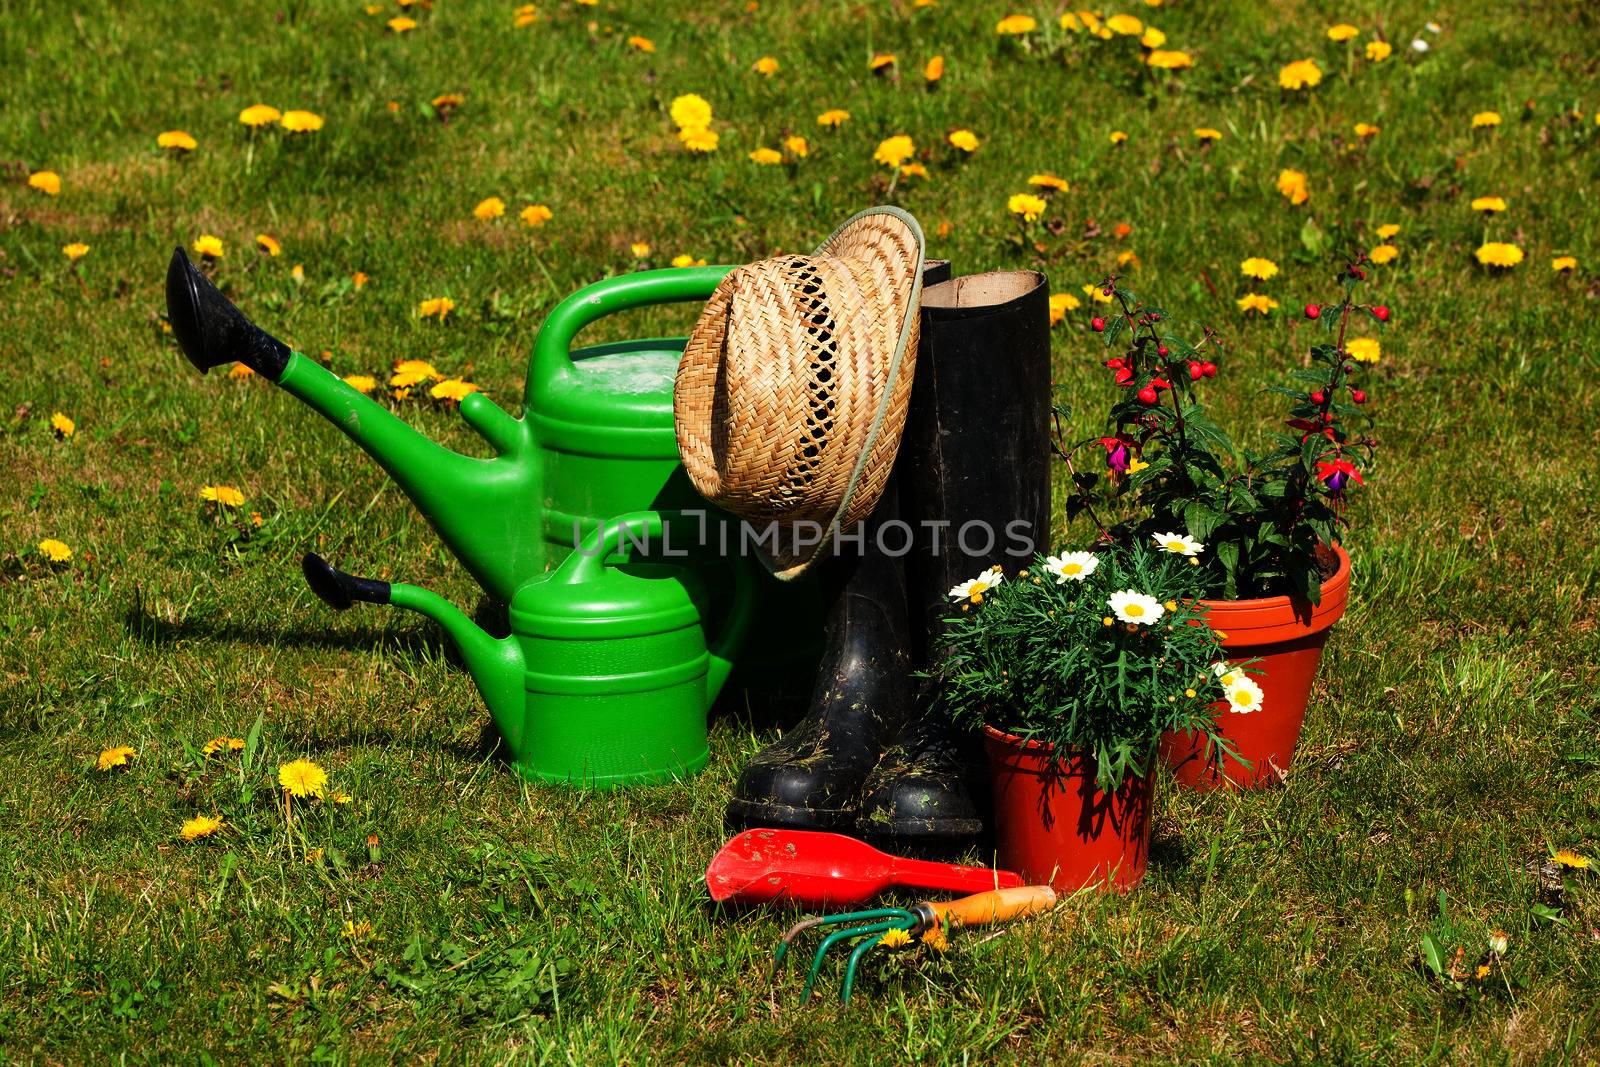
pixel 552 349
pixel 589 559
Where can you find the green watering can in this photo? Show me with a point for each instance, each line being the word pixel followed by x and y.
pixel 595 441
pixel 606 676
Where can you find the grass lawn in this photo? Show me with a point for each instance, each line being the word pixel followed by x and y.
pixel 1454 739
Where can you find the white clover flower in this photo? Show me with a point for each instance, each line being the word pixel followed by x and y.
pixel 1179 544
pixel 1133 607
pixel 974 588
pixel 1073 566
pixel 1244 695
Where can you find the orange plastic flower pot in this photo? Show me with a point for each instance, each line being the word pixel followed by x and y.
pixel 1054 826
pixel 1287 641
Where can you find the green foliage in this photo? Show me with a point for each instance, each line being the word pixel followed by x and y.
pixel 1265 517
pixel 1046 658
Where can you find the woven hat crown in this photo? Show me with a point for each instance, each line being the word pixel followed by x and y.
pixel 792 390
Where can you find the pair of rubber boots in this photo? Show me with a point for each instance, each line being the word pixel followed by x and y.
pixel 877 755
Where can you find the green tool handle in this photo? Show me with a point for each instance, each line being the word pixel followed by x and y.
pixel 552 351
pixel 586 563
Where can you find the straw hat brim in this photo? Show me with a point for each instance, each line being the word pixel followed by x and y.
pixel 792 390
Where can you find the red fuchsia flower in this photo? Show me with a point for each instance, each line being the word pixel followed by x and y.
pixel 1313 427
pixel 1124 375
pixel 1336 473
pixel 1117 451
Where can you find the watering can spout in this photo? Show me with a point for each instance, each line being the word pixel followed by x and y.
pixel 211 330
pixel 496 664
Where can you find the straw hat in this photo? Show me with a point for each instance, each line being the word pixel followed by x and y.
pixel 792 390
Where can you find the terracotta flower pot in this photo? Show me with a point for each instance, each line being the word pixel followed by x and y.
pixel 1288 644
pixel 1054 825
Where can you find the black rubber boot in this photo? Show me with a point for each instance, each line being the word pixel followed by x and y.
pixel 976 458
pixel 810 778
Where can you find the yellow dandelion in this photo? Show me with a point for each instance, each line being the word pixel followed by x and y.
pixel 1378 51
pixel 689 110
pixel 1207 133
pixel 1366 130
pixel 1568 858
pixel 699 139
pixel 302 778
pixel 447 101
pixel 1292 184
pixel 490 207
pixel 1387 230
pixel 112 758
pixel 796 146
pixel 1060 304
pixel 965 140
pixel 361 383
pixel 913 170
pixel 1165 60
pixel 63 426
pixel 1153 38
pixel 268 244
pixel 409 372
pixel 934 70
pixel 1118 137
pixel 524 15
pixel 223 495
pixel 1499 254
pixel 298 273
pixel 880 62
pixel 1342 32
pixel 222 744
pixel 1489 205
pixel 1363 349
pixel 834 116
pixel 895 938
pixel 452 389
pixel 208 245
pixel 1257 302
pixel 200 826
pixel 1485 118
pixel 359 279
pixel 640 249
pixel 536 215
pixel 893 151
pixel 258 115
pixel 401 24
pixel 1258 268
pixel 239 370
pixel 176 140
pixel 1012 25
pixel 766 157
pixel 75 251
pixel 438 305
pixel 1301 74
pixel 1124 25
pixel 1382 254
pixel 1562 264
pixel 340 798
pixel 1026 206
pixel 935 938
pixel 766 65
pixel 301 121
pixel 686 260
pixel 643 44
pixel 1048 181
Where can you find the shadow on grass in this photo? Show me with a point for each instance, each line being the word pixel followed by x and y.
pixel 147 629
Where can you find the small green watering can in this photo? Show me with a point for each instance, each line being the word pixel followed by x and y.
pixel 606 676
pixel 595 441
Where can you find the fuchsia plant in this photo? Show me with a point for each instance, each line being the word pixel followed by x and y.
pixel 1266 519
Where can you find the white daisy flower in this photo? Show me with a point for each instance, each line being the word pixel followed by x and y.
pixel 1180 544
pixel 974 588
pixel 1244 695
pixel 1135 607
pixel 1073 566
pixel 1418 44
pixel 1434 27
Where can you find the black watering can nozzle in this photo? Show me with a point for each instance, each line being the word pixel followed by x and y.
pixel 211 331
pixel 337 589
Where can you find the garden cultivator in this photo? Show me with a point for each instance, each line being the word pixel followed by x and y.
pixel 900 926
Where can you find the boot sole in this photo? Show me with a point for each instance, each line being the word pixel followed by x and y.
pixel 751 815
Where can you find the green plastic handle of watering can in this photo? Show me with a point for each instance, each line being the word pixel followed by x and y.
pixel 552 358
pixel 586 564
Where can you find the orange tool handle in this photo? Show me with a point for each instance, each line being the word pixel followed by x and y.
pixel 997 905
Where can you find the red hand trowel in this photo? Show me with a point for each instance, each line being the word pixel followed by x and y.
pixel 817 870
